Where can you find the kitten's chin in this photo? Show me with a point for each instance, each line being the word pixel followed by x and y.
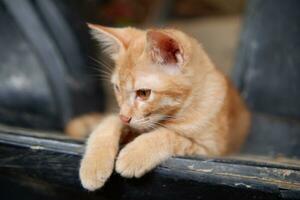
pixel 148 124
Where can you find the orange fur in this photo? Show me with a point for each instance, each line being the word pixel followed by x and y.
pixel 82 126
pixel 193 109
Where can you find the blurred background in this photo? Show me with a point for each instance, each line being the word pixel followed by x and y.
pixel 49 62
pixel 48 57
pixel 215 23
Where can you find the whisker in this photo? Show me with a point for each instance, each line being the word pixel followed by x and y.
pixel 99 74
pixel 102 63
pixel 103 78
pixel 161 125
pixel 142 120
pixel 174 117
pixel 100 77
pixel 96 68
pixel 103 75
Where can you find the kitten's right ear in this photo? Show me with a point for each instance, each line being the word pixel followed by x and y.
pixel 112 39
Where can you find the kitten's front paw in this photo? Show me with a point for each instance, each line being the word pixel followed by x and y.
pixel 136 159
pixel 94 172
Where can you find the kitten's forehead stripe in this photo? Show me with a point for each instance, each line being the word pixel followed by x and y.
pixel 147 81
pixel 128 85
pixel 167 101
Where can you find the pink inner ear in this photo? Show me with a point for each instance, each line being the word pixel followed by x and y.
pixel 164 49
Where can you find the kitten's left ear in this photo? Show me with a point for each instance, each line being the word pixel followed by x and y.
pixel 164 49
pixel 115 40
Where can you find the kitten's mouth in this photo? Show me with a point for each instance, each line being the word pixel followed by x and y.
pixel 147 123
pixel 144 125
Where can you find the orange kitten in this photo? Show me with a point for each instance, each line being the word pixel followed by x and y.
pixel 171 95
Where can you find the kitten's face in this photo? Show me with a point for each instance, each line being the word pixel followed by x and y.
pixel 149 82
pixel 147 96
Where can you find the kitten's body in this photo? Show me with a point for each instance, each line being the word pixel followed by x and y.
pixel 192 109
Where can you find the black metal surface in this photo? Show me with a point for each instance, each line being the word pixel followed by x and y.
pixel 37 159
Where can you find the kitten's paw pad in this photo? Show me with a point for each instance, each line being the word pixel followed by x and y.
pixel 133 162
pixel 93 174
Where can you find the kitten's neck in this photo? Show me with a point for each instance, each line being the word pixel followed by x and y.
pixel 206 99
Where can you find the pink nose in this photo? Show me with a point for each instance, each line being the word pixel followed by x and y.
pixel 125 119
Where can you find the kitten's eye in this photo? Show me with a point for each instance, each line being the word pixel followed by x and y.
pixel 143 94
pixel 116 87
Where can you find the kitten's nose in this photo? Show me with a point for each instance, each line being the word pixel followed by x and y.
pixel 125 119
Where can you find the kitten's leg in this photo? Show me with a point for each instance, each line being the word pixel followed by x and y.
pixel 101 149
pixel 80 127
pixel 150 149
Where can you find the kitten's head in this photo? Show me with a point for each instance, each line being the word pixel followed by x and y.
pixel 153 74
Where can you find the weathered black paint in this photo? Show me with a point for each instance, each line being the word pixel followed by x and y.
pixel 31 160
